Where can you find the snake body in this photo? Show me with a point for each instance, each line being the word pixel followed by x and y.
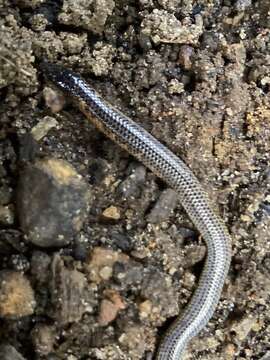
pixel 162 162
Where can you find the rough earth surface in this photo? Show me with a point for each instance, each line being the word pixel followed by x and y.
pixel 103 257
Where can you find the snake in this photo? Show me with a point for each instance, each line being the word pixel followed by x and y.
pixel 176 174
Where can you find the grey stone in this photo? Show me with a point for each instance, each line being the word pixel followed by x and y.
pixel 52 202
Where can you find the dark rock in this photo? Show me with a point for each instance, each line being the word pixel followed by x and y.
pixel 8 352
pixel 129 273
pixel 158 288
pixel 69 294
pixel 187 233
pixel 164 207
pixel 194 254
pixel 122 241
pixel 52 202
pixel 29 148
pixel 80 251
pixel 131 186
pixel 97 171
pixel 49 9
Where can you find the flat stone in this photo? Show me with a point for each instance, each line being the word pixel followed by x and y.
pixel 70 296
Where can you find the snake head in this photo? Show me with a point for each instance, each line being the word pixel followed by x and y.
pixel 65 79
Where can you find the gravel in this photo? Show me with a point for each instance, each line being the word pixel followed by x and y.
pixel 196 75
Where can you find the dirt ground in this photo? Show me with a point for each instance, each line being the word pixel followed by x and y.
pixel 97 256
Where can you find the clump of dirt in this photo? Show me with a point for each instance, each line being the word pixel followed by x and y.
pixel 196 74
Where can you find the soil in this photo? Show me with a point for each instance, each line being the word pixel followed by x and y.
pixel 97 256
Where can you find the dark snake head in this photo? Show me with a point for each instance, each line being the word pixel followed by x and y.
pixel 65 79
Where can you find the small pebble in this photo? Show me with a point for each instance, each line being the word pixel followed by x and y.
pixel 43 337
pixel 194 254
pixel 112 213
pixel 230 351
pixel 185 55
pixel 188 280
pixel 101 263
pixel 186 233
pixel 43 127
pixel 164 207
pixel 52 202
pixel 175 87
pixel 140 254
pixel 145 309
pixel 106 272
pixel 38 22
pixel 110 307
pixel 16 295
pixel 107 313
pixel 132 185
pixel 128 273
pixel 123 242
pixel 54 100
pixel 72 357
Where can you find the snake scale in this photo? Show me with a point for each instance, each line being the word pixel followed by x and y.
pixel 172 170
